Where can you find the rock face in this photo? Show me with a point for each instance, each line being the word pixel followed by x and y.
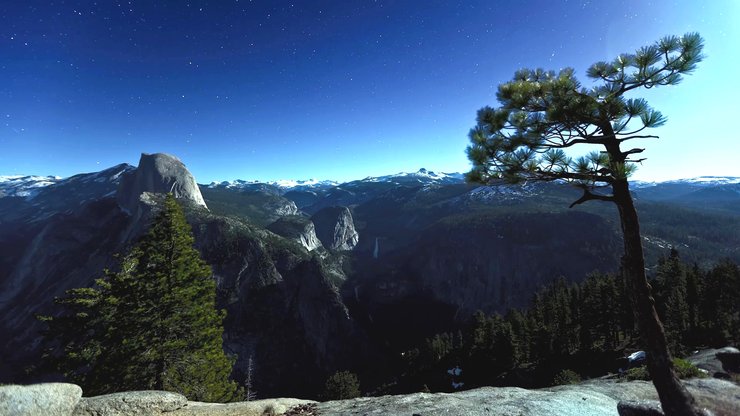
pixel 336 228
pixel 158 173
pixel 67 250
pixel 298 229
pixel 49 399
pixel 283 311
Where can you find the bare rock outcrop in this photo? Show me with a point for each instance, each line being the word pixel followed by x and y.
pixel 336 228
pixel 298 229
pixel 158 173
pixel 141 403
pixel 253 408
pixel 598 397
pixel 49 399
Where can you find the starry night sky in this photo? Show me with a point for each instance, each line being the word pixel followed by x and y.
pixel 329 89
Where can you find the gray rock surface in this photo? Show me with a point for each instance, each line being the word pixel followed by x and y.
pixel 298 229
pixel 336 228
pixel 48 399
pixel 253 408
pixel 140 403
pixel 484 401
pixel 716 362
pixel 158 173
pixel 730 358
pixel 598 397
pixel 640 408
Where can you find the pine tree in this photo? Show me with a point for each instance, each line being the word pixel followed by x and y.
pixel 152 325
pixel 671 299
pixel 543 112
pixel 720 313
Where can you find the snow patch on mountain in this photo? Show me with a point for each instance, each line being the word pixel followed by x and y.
pixel 709 180
pixel 286 184
pixel 699 181
pixel 25 186
pixel 421 176
pixel 29 186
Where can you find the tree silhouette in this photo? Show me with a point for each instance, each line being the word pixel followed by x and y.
pixel 543 112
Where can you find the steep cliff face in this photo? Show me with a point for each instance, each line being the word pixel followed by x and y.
pixel 283 311
pixel 336 228
pixel 65 251
pixel 489 262
pixel 296 228
pixel 497 263
pixel 158 173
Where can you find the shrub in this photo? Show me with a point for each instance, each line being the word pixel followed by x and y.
pixel 566 377
pixel 684 369
pixel 342 385
pixel 637 373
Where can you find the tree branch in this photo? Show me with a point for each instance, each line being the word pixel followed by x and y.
pixel 645 136
pixel 590 196
pixel 632 152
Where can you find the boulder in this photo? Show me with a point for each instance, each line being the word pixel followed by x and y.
pixel 48 399
pixel 730 358
pixel 140 403
pixel 717 362
pixel 640 408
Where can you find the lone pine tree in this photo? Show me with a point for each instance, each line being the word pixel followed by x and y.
pixel 543 112
pixel 152 325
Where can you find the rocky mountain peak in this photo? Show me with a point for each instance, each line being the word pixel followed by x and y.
pixel 158 173
pixel 336 228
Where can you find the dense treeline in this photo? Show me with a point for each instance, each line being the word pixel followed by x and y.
pixel 584 327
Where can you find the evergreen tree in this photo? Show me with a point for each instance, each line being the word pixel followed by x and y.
pixel 671 299
pixel 693 300
pixel 542 113
pixel 720 312
pixel 152 325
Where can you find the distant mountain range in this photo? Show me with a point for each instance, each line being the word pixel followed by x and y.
pixel 28 186
pixel 327 276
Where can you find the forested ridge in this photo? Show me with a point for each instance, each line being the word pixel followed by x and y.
pixel 585 328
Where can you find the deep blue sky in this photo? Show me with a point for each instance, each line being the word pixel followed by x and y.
pixel 331 89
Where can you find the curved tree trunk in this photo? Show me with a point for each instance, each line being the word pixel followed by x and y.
pixel 674 397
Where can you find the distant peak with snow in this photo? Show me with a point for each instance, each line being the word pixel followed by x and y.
pixel 699 181
pixel 421 176
pixel 285 184
pixel 709 180
pixel 25 186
